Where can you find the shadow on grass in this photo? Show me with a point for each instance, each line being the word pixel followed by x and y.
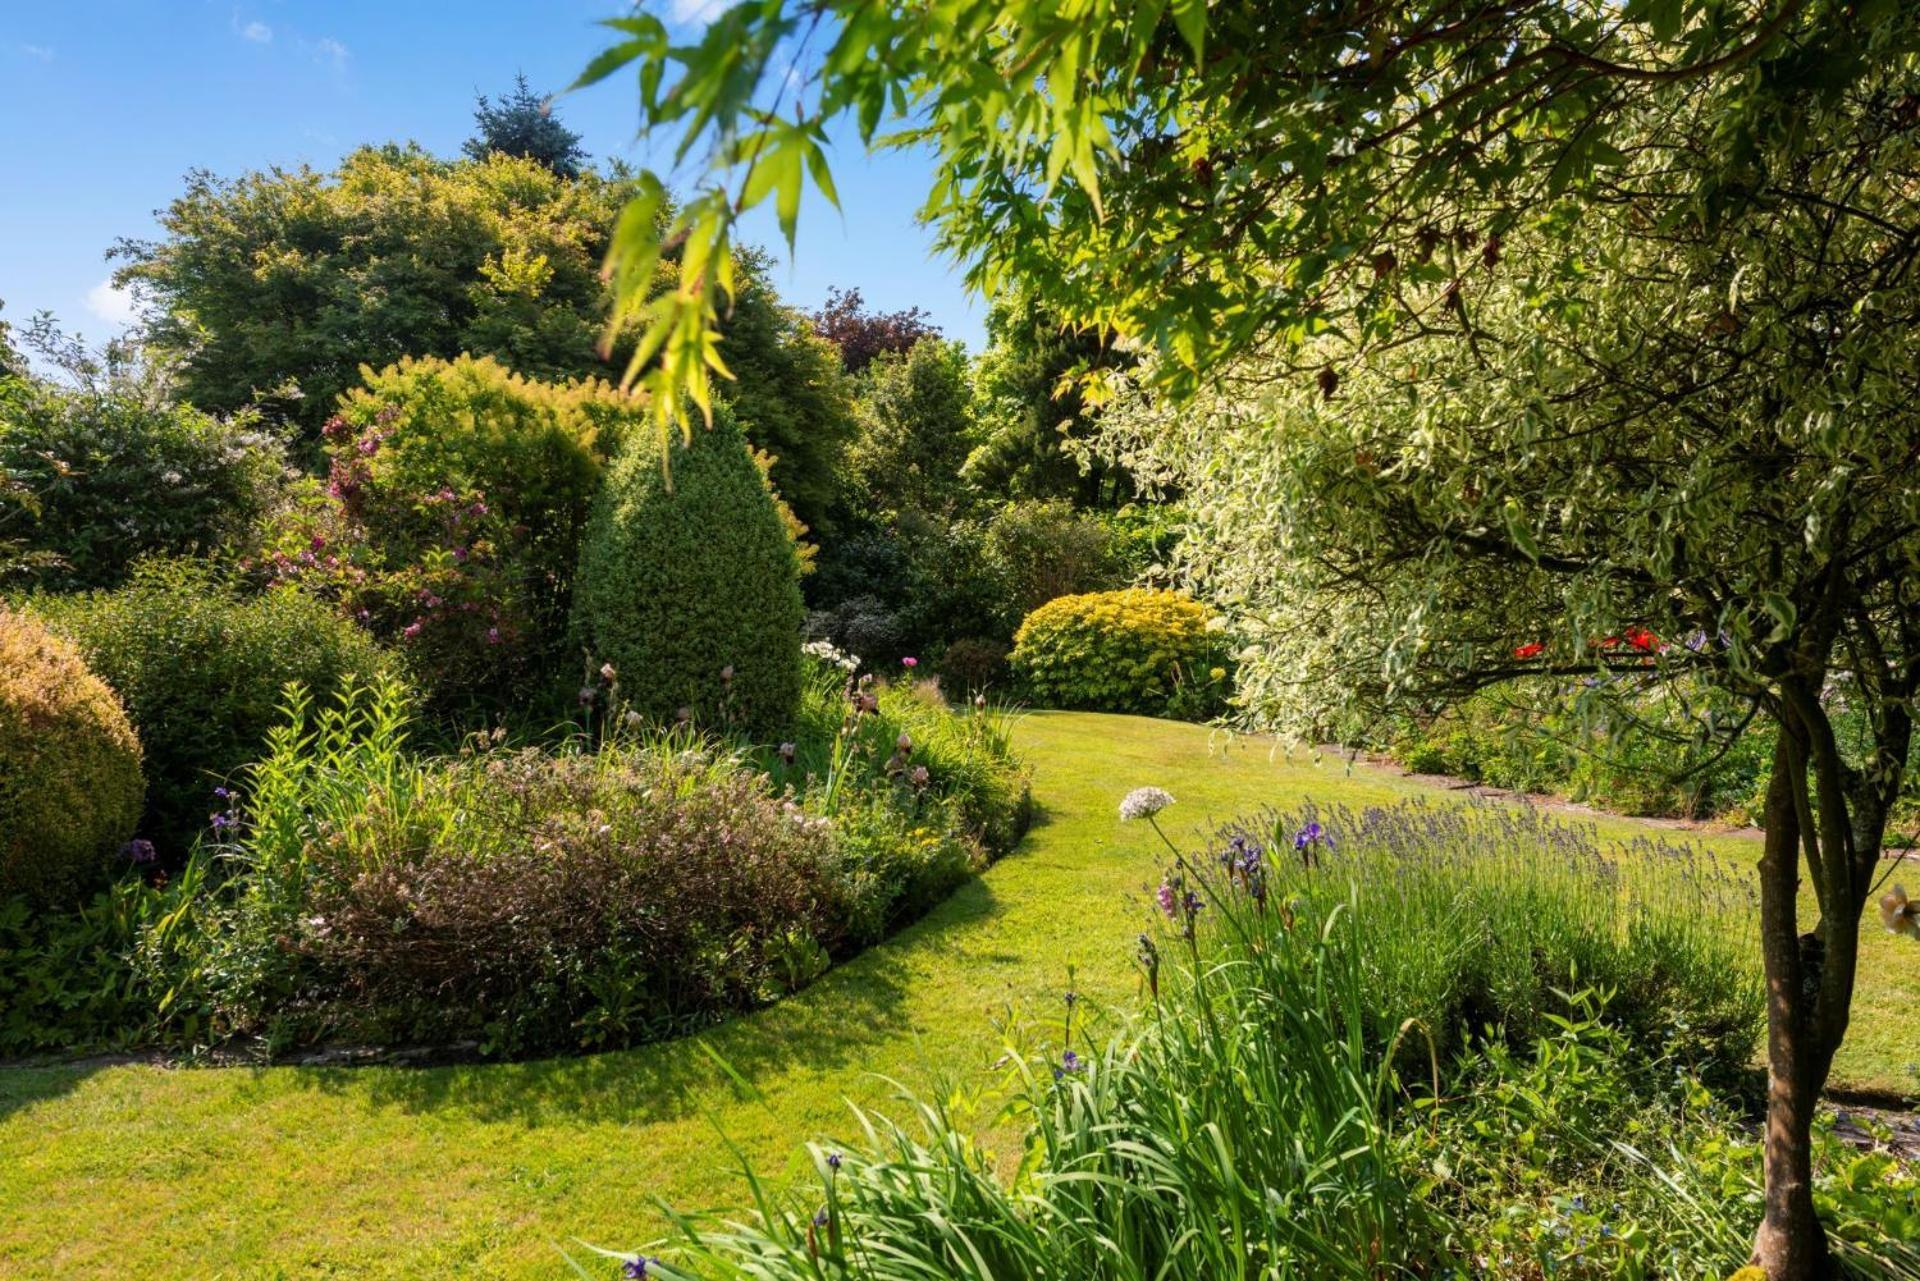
pixel 830 1027
pixel 22 1087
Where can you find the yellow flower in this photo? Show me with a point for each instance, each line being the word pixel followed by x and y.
pixel 1217 673
pixel 1748 1273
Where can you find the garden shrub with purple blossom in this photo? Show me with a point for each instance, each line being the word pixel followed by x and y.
pixel 450 523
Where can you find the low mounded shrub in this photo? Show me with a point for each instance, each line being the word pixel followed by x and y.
pixel 201 668
pixel 689 585
pixel 70 784
pixel 973 663
pixel 531 901
pixel 451 522
pixel 1138 650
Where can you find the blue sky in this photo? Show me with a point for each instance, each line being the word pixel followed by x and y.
pixel 108 103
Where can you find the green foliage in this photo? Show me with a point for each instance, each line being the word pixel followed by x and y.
pixel 82 978
pixel 456 499
pixel 113 474
pixel 907 589
pixel 688 584
pixel 1136 650
pixel 789 396
pixel 1209 179
pixel 70 784
pixel 200 668
pixel 914 416
pixel 1044 550
pixel 294 278
pixel 1665 756
pixel 1033 420
pixel 522 124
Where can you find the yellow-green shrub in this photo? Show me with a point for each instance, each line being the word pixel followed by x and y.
pixel 1138 650
pixel 70 785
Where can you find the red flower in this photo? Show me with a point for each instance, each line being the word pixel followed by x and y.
pixel 1642 639
pixel 1532 649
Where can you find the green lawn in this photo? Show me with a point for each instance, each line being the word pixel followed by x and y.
pixel 488 1171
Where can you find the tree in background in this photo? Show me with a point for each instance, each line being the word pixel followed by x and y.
pixel 276 287
pixel 861 334
pixel 788 395
pixel 522 124
pixel 914 414
pixel 1032 416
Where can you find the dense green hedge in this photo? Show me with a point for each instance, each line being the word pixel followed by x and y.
pixel 1138 650
pixel 689 586
pixel 70 783
pixel 201 670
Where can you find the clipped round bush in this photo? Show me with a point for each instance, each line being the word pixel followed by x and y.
pixel 201 670
pixel 456 495
pixel 1138 650
pixel 689 585
pixel 70 783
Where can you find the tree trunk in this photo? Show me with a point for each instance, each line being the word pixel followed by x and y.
pixel 1791 1245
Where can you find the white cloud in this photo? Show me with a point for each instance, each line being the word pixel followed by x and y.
pixel 688 13
pixel 258 32
pixel 330 52
pixel 38 52
pixel 111 303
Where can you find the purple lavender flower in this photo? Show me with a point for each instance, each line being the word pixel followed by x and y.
pixel 1168 896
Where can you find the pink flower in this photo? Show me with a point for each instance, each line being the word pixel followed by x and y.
pixel 909 662
pixel 412 629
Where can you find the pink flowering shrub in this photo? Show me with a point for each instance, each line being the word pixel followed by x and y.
pixel 450 522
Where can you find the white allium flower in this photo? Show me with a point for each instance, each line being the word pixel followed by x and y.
pixel 1144 802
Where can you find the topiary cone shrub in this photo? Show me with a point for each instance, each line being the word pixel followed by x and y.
pixel 70 785
pixel 689 585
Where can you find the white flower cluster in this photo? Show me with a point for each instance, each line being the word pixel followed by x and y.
pixel 1144 802
pixel 827 652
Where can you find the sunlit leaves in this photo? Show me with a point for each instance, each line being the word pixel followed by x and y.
pixel 1203 177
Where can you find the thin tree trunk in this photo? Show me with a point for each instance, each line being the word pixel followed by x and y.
pixel 1791 1245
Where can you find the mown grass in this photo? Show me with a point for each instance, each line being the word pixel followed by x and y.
pixel 490 1171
